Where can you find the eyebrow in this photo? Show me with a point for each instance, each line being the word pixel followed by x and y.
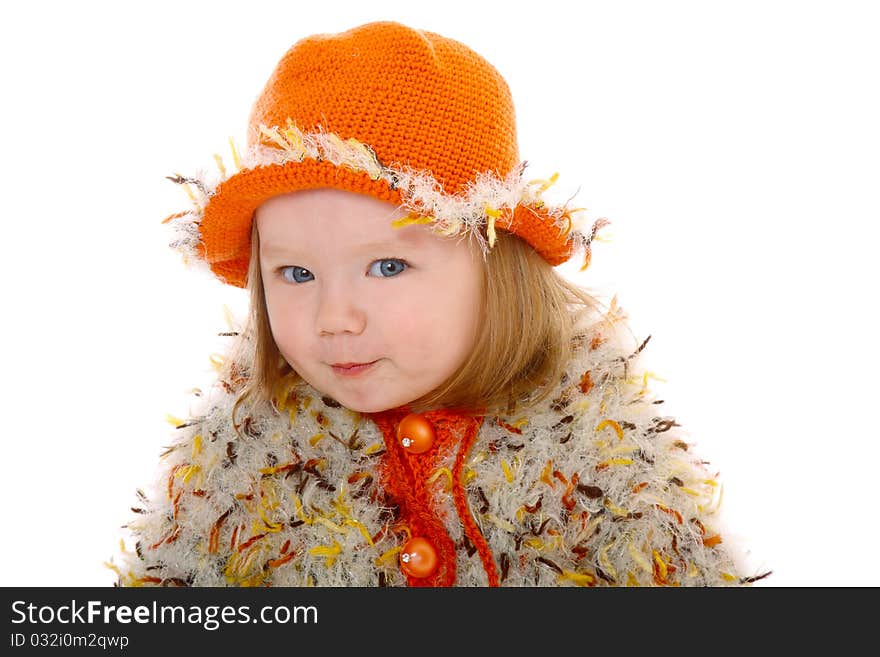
pixel 275 250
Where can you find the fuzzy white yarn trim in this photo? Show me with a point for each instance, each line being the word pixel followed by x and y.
pixel 473 211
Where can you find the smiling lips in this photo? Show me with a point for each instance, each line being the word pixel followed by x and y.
pixel 351 369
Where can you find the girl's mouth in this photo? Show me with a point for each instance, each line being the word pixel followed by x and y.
pixel 352 369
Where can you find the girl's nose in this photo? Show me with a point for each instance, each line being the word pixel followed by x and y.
pixel 339 311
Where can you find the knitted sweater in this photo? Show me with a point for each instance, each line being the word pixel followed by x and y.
pixel 592 487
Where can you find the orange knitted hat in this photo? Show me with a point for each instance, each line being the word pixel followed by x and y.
pixel 404 115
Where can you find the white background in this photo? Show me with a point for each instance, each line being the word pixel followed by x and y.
pixel 734 146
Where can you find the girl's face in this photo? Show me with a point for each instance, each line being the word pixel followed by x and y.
pixel 343 286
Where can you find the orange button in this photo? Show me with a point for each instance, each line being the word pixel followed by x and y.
pixel 415 433
pixel 418 558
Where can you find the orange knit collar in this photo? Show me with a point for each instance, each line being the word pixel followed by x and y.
pixel 405 477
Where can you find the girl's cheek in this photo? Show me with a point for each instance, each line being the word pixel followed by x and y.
pixel 286 317
pixel 404 319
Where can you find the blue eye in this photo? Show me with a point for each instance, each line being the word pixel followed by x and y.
pixel 299 274
pixel 385 268
pixel 388 267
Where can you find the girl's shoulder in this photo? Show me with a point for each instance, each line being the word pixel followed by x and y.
pixel 601 459
pixel 605 425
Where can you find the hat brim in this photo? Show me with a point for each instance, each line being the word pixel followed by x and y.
pixel 228 217
pixel 225 228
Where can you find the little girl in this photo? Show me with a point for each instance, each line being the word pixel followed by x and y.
pixel 417 398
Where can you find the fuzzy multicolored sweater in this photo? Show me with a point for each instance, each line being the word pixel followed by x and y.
pixel 593 487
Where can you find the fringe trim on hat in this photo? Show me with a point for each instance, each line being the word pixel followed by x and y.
pixel 486 200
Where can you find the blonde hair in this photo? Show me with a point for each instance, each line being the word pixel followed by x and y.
pixel 529 325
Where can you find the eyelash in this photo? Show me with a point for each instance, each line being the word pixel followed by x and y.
pixel 280 270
